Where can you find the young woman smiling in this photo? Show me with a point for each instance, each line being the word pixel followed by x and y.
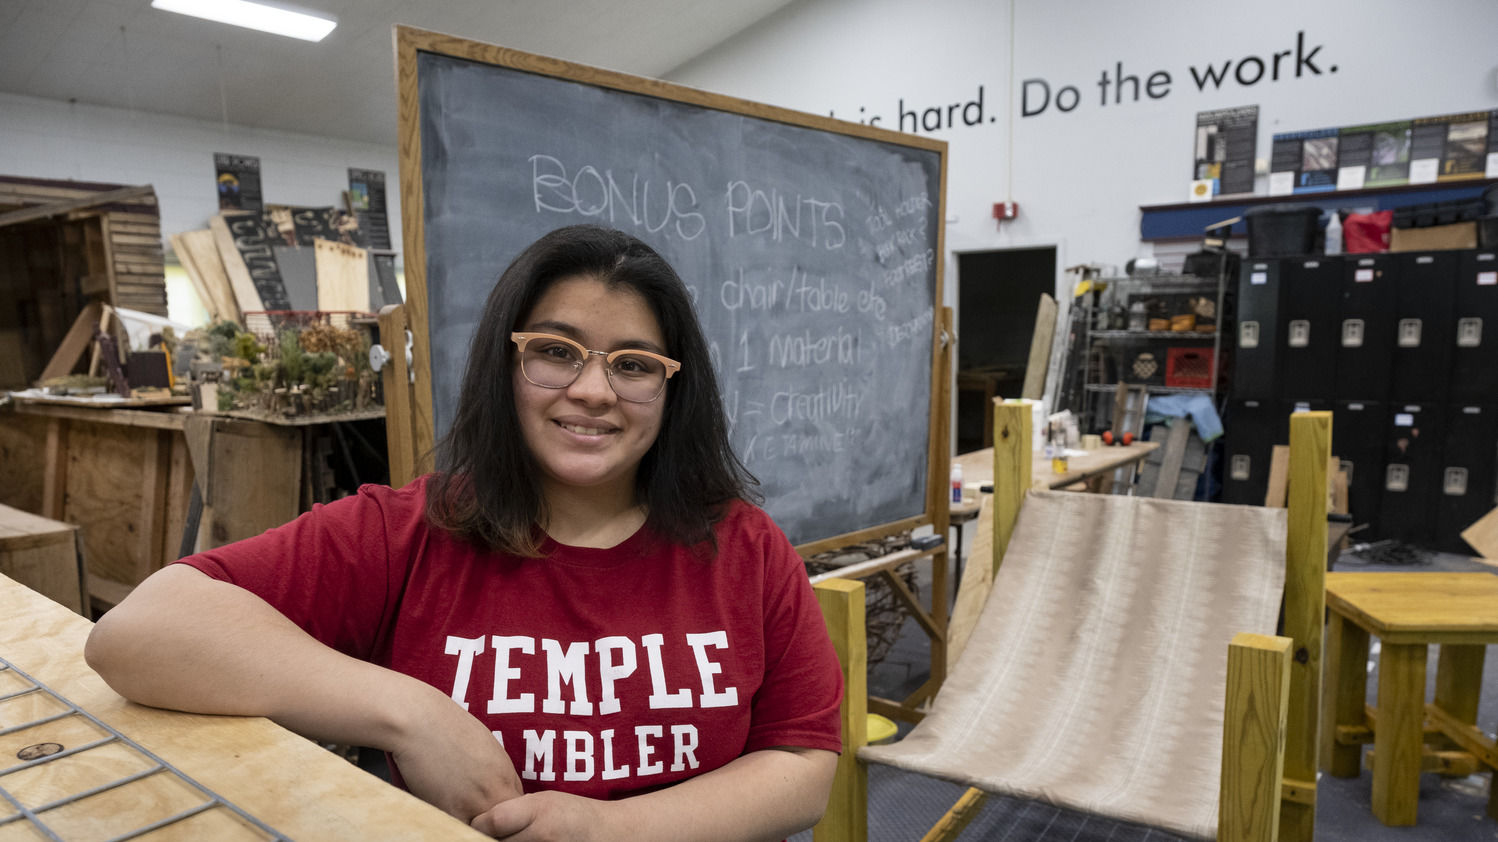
pixel 579 627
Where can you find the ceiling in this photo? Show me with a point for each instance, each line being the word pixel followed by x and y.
pixel 125 54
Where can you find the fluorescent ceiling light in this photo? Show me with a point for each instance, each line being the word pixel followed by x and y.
pixel 252 16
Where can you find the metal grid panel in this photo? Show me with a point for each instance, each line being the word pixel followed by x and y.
pixel 13 809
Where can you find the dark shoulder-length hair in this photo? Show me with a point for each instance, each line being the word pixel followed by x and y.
pixel 486 488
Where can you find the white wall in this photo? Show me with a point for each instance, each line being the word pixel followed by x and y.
pixel 1079 177
pixel 42 138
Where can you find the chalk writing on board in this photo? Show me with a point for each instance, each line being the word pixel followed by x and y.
pixel 810 257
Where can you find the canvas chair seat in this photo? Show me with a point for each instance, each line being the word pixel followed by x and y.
pixel 1095 676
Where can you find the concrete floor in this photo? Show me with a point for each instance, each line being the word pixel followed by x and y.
pixel 903 806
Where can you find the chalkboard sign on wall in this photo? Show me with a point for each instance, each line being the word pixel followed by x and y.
pixel 812 250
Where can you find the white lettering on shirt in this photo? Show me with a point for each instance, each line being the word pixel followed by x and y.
pixel 466 648
pixel 646 750
pixel 503 672
pixel 684 747
pixel 659 697
pixel 610 772
pixel 568 667
pixel 539 747
pixel 579 754
pixel 610 670
pixel 706 669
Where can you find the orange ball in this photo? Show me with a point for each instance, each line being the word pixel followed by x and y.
pixel 1128 438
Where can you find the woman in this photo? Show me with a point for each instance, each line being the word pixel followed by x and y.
pixel 577 629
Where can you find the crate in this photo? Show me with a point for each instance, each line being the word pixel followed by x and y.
pixel 1189 368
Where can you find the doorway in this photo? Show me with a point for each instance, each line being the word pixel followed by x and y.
pixel 997 294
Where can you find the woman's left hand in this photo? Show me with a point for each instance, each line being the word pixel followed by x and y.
pixel 547 817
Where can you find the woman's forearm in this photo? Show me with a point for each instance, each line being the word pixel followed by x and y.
pixel 764 795
pixel 184 641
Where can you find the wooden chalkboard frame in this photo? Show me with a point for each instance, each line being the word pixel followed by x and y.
pixel 411 433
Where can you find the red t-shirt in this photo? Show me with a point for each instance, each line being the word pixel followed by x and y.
pixel 603 673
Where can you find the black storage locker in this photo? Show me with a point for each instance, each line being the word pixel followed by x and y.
pixel 1255 367
pixel 1469 472
pixel 1474 346
pixel 1413 451
pixel 1365 327
pixel 1358 443
pixel 1308 326
pixel 1251 430
pixel 1423 308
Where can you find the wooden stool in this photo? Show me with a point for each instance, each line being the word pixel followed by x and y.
pixel 42 554
pixel 1407 612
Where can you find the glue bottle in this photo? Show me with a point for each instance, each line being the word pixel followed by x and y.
pixel 956 482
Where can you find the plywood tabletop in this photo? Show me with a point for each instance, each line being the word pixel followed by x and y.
pixel 1420 606
pixel 977 469
pixel 291 784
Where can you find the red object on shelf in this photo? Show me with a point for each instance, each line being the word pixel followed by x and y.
pixel 1189 368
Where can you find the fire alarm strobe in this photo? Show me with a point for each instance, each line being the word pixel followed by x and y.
pixel 1005 210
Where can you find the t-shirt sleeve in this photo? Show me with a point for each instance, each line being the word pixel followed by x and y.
pixel 335 571
pixel 797 705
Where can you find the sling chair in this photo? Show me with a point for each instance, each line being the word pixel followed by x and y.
pixel 1140 680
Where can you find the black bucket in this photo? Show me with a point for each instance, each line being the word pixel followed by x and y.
pixel 1282 230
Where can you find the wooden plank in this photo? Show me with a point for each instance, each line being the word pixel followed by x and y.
pixel 974 587
pixel 1011 470
pixel 59 208
pixel 246 297
pixel 1455 764
pixel 870 567
pixel 41 554
pixel 1397 739
pixel 77 340
pixel 1253 738
pixel 112 492
pixel 846 818
pixel 1482 535
pixel 1346 686
pixel 1420 607
pixel 290 783
pixel 200 248
pixel 255 479
pixel 1279 476
pixel 1468 736
pixel 55 483
pixel 23 450
pixel 1171 459
pixel 958 817
pixel 179 482
pixel 342 277
pixel 400 397
pixel 1305 606
pixel 1040 349
pixel 1459 681
pixel 105 414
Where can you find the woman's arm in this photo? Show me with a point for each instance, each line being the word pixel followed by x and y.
pixel 185 641
pixel 764 795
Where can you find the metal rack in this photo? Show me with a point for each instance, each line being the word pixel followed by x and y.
pixel 1121 292
pixel 14 810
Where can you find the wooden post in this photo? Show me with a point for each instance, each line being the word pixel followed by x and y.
pixel 1011 470
pixel 1305 607
pixel 55 478
pixel 847 816
pixel 1398 737
pixel 1253 744
pixel 1346 691
pixel 400 399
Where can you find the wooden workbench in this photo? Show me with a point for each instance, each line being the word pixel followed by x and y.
pixel 977 469
pixel 291 784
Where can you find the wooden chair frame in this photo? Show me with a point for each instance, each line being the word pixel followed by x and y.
pixel 1273 683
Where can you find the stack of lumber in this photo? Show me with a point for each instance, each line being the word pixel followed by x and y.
pixel 124 231
pixel 282 259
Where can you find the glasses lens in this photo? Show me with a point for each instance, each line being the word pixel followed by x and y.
pixel 636 377
pixel 549 363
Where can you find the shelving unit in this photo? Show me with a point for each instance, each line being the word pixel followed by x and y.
pixel 1115 353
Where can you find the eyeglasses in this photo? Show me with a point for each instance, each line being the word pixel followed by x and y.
pixel 555 362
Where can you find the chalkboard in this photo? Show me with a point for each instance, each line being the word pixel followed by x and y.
pixel 812 250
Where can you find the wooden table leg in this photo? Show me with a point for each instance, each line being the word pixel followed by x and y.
pixel 1458 688
pixel 1397 738
pixel 1345 690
